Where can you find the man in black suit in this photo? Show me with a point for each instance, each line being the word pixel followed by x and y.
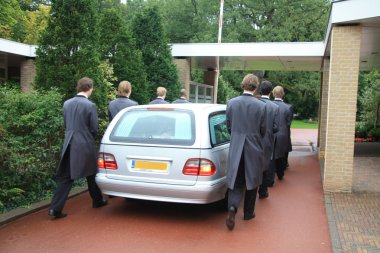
pixel 246 121
pixel 272 111
pixel 79 154
pixel 182 98
pixel 123 101
pixel 160 99
pixel 282 136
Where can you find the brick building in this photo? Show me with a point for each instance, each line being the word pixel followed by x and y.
pixel 17 63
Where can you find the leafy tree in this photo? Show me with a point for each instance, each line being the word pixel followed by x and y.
pixel 69 49
pixel 156 53
pixel 191 21
pixel 301 90
pixel 369 98
pixel 36 23
pixel 33 5
pixel 12 20
pixel 255 21
pixel 245 20
pixel 283 20
pixel 120 49
pixel 110 4
pixel 225 91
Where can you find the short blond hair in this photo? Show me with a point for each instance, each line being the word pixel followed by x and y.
pixel 124 88
pixel 278 92
pixel 161 91
pixel 250 82
pixel 183 93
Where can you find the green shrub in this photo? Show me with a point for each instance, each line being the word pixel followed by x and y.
pixel 31 136
pixel 362 129
pixel 375 132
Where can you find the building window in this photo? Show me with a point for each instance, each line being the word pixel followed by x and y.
pixel 201 93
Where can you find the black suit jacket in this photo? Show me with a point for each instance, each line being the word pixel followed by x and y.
pixel 119 104
pixel 158 101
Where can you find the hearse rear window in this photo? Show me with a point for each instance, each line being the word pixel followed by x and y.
pixel 173 127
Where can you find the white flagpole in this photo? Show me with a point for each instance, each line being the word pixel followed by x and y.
pixel 217 58
pixel 220 21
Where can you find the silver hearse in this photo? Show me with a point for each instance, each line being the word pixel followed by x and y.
pixel 167 152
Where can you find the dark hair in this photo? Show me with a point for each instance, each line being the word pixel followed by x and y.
pixel 266 87
pixel 250 82
pixel 85 84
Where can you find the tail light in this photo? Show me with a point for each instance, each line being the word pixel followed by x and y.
pixel 199 167
pixel 106 161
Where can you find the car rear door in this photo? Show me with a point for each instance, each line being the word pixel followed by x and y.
pixel 219 141
pixel 153 146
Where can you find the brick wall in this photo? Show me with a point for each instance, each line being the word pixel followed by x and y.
pixel 323 108
pixel 341 111
pixel 27 74
pixel 183 68
pixel 209 77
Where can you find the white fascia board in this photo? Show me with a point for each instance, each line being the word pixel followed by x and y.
pixel 296 49
pixel 17 48
pixel 354 10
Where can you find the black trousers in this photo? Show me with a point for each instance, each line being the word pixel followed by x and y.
pixel 280 167
pixel 268 177
pixel 64 184
pixel 235 194
pixel 287 160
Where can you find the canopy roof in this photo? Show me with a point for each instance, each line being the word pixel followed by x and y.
pixel 253 56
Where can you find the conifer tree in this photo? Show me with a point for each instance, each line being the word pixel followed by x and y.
pixel 117 45
pixel 153 43
pixel 68 49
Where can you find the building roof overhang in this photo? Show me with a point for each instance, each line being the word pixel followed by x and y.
pixel 365 13
pixel 12 47
pixel 285 56
pixel 253 56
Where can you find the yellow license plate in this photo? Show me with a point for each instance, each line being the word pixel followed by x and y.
pixel 148 165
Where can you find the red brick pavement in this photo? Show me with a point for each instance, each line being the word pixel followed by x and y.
pixel 292 220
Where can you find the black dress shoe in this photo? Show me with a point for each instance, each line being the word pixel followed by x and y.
pixel 230 221
pixel 57 214
pixel 263 195
pixel 103 202
pixel 249 216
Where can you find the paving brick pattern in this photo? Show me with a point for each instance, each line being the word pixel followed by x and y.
pixel 354 222
pixel 366 174
pixel 354 218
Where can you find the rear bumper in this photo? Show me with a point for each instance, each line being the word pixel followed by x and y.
pixel 200 193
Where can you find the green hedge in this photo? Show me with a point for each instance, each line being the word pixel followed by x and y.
pixel 31 136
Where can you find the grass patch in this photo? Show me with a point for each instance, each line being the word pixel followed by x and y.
pixel 304 124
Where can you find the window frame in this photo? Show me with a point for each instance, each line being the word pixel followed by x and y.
pixel 209 128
